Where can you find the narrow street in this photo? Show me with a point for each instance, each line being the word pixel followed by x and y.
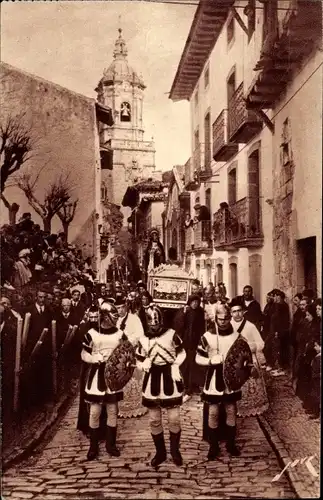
pixel 61 471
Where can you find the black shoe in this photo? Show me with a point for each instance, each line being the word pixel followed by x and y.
pixel 94 444
pixel 174 447
pixel 110 444
pixel 161 453
pixel 214 449
pixel 231 441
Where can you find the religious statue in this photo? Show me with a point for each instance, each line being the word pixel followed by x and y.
pixel 155 254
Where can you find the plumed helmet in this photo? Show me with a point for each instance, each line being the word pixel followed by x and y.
pixel 154 318
pixel 109 311
pixel 222 309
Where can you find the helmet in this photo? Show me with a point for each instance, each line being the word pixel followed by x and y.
pixel 108 311
pixel 154 319
pixel 93 316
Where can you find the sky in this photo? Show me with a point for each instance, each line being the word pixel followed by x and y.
pixel 72 42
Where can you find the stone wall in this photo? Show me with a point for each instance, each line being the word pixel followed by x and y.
pixel 63 127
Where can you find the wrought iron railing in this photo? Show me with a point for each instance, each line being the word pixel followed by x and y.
pixel 202 234
pixel 238 114
pixel 189 172
pixel 219 131
pixel 238 224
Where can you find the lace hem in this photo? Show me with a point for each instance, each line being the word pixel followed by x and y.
pixel 133 414
pixel 253 412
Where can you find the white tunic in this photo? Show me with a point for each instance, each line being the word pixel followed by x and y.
pixel 211 345
pixel 98 346
pixel 159 386
pixel 133 328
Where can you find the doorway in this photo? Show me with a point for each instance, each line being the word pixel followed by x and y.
pixel 306 252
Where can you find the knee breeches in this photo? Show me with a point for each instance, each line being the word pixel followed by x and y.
pixel 95 413
pixel 156 423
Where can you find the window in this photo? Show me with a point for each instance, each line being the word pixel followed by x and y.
pixel 232 186
pixel 254 191
pixel 196 138
pixel 206 77
pixel 219 273
pixel 250 12
pixel 196 98
pixel 207 141
pixel 230 31
pixel 231 86
pixel 125 112
pixel 208 199
pixel 233 271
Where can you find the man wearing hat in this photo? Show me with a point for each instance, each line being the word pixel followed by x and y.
pixel 212 351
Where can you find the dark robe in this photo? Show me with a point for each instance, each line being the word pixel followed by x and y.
pixel 159 256
pixel 253 312
pixel 37 385
pixel 190 327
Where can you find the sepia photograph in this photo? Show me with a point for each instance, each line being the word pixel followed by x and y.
pixel 161 249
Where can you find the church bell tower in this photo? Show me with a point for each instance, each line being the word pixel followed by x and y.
pixel 122 89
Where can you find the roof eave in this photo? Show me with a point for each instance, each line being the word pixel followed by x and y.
pixel 212 13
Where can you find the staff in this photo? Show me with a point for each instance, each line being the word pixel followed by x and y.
pixel 17 364
pixel 54 357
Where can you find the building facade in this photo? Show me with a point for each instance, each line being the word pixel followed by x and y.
pixel 251 141
pixel 146 200
pixel 174 215
pixel 64 128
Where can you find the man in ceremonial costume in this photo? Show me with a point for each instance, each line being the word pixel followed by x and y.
pixel 254 400
pixel 159 354
pixel 91 320
pixel 131 325
pixel 98 345
pixel 212 351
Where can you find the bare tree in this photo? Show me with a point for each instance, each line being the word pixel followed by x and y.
pixel 15 147
pixel 13 209
pixel 66 214
pixel 57 194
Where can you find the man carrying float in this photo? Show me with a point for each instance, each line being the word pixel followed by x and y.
pixel 229 362
pixel 160 354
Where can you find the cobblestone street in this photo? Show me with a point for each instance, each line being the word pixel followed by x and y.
pixel 61 471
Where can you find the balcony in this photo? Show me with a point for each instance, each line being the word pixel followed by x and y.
pixel 203 236
pixel 223 150
pixel 238 226
pixel 244 124
pixel 290 35
pixel 190 180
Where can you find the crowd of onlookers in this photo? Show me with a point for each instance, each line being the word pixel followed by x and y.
pixel 292 344
pixel 30 255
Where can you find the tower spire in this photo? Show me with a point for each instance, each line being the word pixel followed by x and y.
pixel 120 48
